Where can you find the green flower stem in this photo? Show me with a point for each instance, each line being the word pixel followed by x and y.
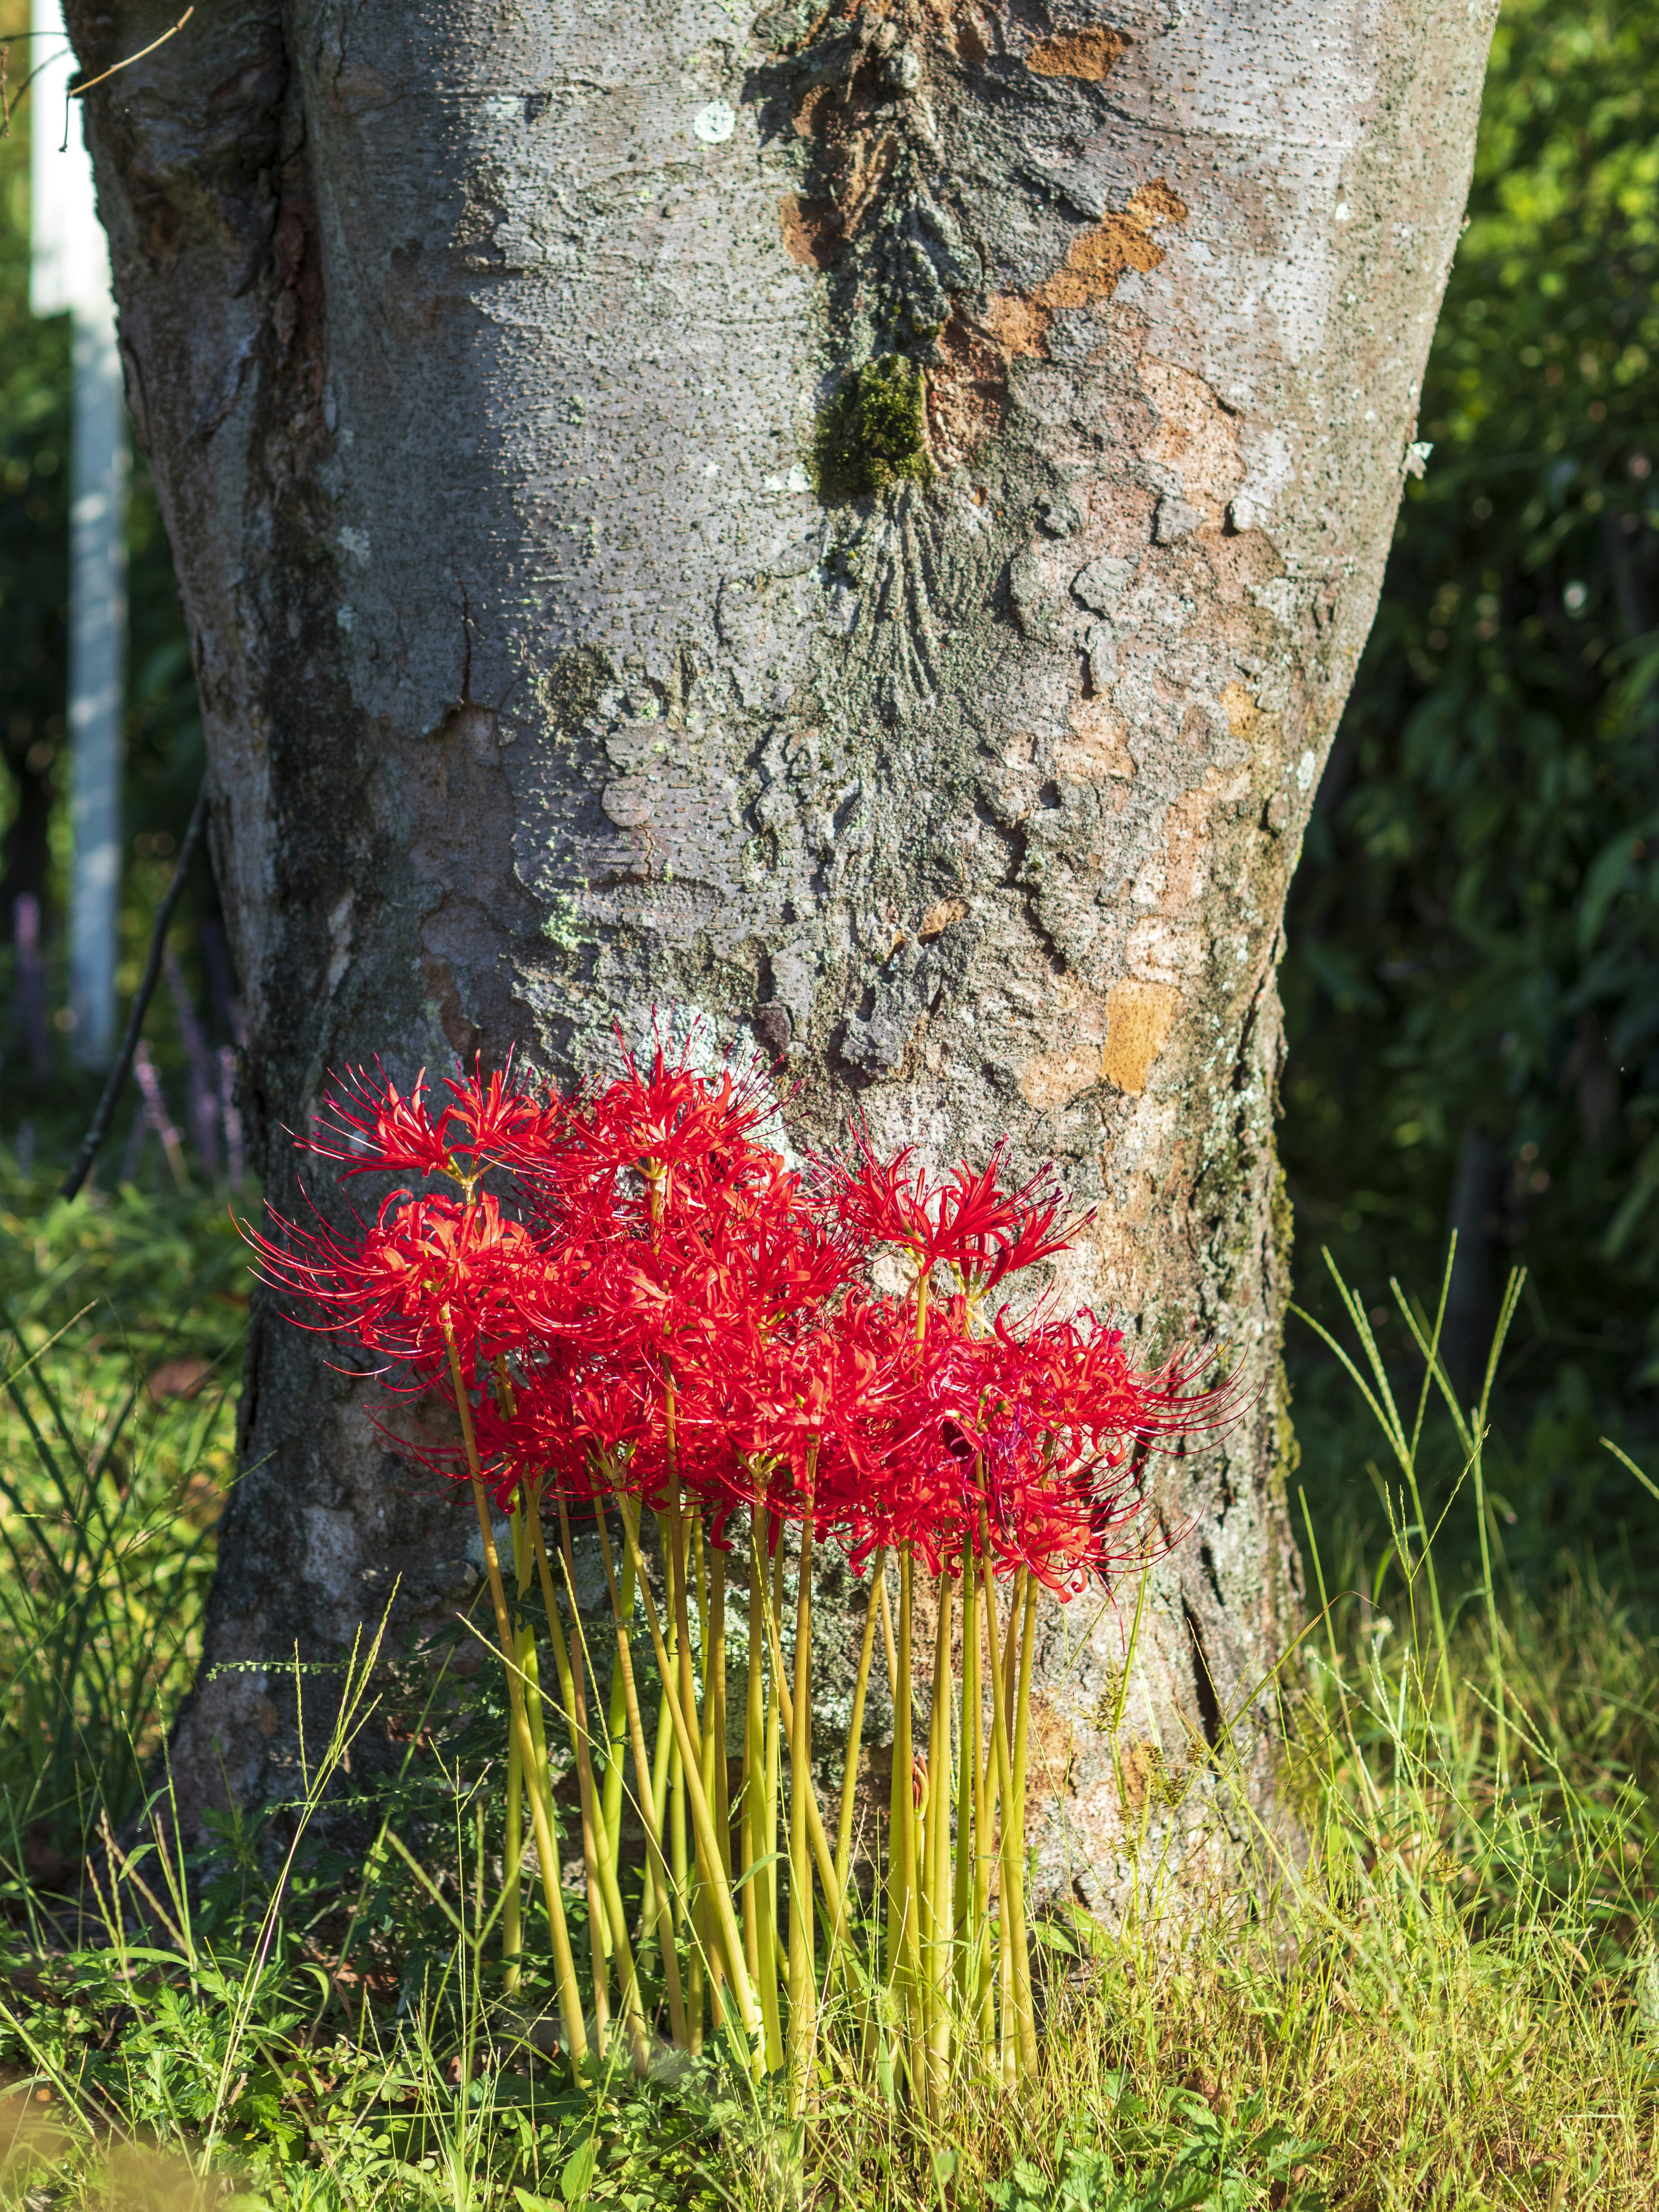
pixel 668 1906
pixel 984 1956
pixel 894 1826
pixel 707 1944
pixel 598 1949
pixel 605 1894
pixel 835 1903
pixel 610 1885
pixel 803 1997
pixel 937 1928
pixel 1018 2037
pixel 621 1606
pixel 679 1849
pixel 616 1722
pixel 902 1869
pixel 713 1734
pixel 962 1928
pixel 535 1771
pixel 701 1817
pixel 855 1728
pixel 1026 1588
pixel 512 1844
pixel 763 1861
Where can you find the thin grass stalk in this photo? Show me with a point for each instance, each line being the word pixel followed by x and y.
pixel 701 1814
pixel 564 1963
pixel 803 1997
pixel 1404 1451
pixel 656 1866
pixel 1506 1315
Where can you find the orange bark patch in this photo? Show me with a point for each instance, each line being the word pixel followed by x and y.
pixel 1097 745
pixel 1086 54
pixel 1242 712
pixel 1018 324
pixel 1138 1019
pixel 812 231
pixel 1097 262
pixel 1197 436
pixel 1051 1080
pixel 967 391
pixel 940 917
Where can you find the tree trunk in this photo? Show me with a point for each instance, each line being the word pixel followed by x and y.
pixel 857 525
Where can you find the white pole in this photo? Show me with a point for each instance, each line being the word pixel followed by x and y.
pixel 70 271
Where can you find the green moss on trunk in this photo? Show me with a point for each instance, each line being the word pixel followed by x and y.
pixel 873 434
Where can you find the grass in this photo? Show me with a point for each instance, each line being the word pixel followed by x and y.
pixel 1450 1999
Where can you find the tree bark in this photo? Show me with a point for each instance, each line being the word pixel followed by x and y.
pixel 488 360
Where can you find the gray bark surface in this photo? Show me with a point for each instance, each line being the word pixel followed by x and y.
pixel 481 354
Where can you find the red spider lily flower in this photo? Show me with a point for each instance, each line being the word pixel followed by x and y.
pixel 498 1121
pixel 428 1271
pixel 792 1424
pixel 966 1220
pixel 485 1122
pixel 680 1316
pixel 373 1128
pixel 572 1431
pixel 672 1119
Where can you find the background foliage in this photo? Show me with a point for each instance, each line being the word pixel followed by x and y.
pixel 1472 989
pixel 163 728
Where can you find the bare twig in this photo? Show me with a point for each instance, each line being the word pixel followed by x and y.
pixel 117 1074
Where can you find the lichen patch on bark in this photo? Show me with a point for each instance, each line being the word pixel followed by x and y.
pixel 1196 440
pixel 967 390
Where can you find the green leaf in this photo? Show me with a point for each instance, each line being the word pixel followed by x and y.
pixel 576 2177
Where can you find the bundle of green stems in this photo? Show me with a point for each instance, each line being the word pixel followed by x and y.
pixel 747 1916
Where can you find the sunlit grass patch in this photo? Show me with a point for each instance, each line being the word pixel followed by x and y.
pixel 1447 1996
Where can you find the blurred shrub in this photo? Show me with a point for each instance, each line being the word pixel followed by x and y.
pixel 1472 989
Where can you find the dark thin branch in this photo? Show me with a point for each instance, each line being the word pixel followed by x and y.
pixel 117 1074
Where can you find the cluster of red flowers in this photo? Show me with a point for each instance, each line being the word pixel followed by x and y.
pixel 648 1298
